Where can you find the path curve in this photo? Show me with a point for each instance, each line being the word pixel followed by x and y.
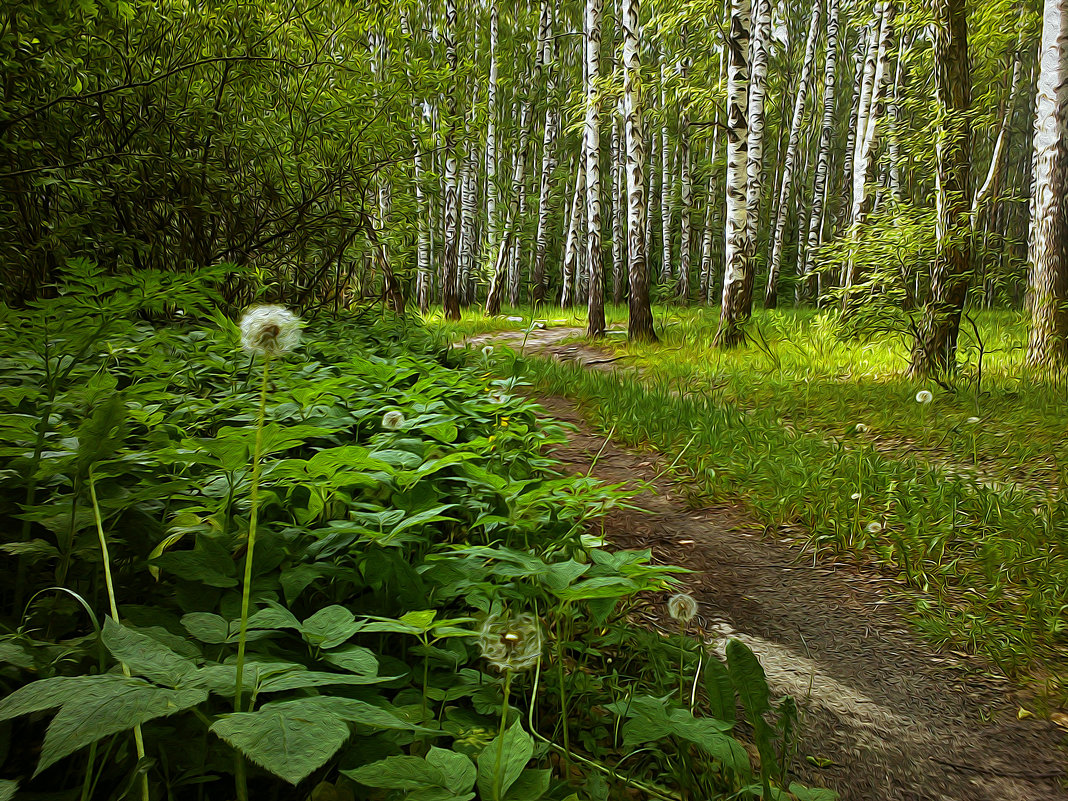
pixel 892 717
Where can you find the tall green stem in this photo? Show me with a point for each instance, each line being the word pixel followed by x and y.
pixel 239 772
pixel 499 777
pixel 139 740
pixel 563 689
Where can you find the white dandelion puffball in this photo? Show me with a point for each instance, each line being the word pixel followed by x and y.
pixel 875 528
pixel 487 351
pixel 392 421
pixel 682 607
pixel 510 643
pixel 972 421
pixel 270 330
pixel 855 496
pixel 860 428
pixel 923 396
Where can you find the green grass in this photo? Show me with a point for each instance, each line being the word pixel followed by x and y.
pixel 775 423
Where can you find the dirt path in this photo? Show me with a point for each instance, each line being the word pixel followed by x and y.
pixel 898 719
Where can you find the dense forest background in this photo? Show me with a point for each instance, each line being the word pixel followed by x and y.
pixel 474 153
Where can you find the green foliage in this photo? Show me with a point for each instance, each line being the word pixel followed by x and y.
pixel 378 553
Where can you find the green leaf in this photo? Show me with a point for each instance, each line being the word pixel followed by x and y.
pixel 290 739
pixel 208 562
pixel 442 776
pixel 751 684
pixel 330 626
pixel 719 690
pixel 353 658
pixel 91 707
pixel 145 656
pixel 7 789
pixel 803 793
pixel 518 748
pixel 206 627
pixel 530 786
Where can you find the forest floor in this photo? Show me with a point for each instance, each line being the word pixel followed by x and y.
pixel 884 715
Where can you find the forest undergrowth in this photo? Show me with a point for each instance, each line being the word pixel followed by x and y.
pixel 957 491
pixel 342 566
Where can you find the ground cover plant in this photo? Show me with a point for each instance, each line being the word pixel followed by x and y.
pixel 335 564
pixel 826 437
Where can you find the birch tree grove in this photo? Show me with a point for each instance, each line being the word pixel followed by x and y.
pixel 1047 299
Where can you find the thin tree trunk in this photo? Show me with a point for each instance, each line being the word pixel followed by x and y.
pixel 859 70
pixel 894 137
pixel 1047 293
pixel 738 245
pixel 819 188
pixel 685 188
pixel 450 301
pixel 640 322
pixel 619 277
pixel 492 114
pixel 760 23
pixel 771 293
pixel 594 266
pixel 569 290
pixel 666 192
pixel 504 248
pixel 548 158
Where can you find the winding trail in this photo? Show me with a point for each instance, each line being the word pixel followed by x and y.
pixel 886 715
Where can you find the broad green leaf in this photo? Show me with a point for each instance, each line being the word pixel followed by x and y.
pixel 518 748
pixel 274 616
pixel 803 793
pixel 330 626
pixel 400 773
pixel 206 627
pixel 106 705
pixel 458 769
pixel 719 690
pixel 145 656
pixel 751 684
pixel 530 786
pixel 353 658
pixel 289 738
pixel 208 562
pixel 296 679
pixel 8 789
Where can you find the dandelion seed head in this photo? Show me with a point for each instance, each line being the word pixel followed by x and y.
pixel 510 643
pixel 855 496
pixel 860 428
pixel 270 330
pixel 923 396
pixel 682 607
pixel 972 421
pixel 875 527
pixel 392 421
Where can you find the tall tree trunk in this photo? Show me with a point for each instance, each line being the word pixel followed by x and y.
pixel 771 293
pixel 650 193
pixel 548 158
pixel 569 290
pixel 468 246
pixel 640 322
pixel 504 248
pixel 619 277
pixel 738 246
pixel 859 69
pixel 819 188
pixel 594 267
pixel 871 112
pixel 492 115
pixel 685 188
pixel 666 191
pixel 989 185
pixel 894 132
pixel 450 301
pixel 1047 292
pixel 758 86
pixel 935 350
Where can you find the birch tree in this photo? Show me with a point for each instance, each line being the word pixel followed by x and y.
pixel 771 293
pixel 819 188
pixel 1047 294
pixel 449 299
pixel 758 88
pixel 548 157
pixel 595 314
pixel 640 321
pixel 738 246
pixel 685 188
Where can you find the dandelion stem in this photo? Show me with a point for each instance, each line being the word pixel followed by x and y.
pixel 239 773
pixel 499 773
pixel 139 740
pixel 682 653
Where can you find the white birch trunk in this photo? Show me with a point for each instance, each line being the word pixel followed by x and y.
pixel 594 268
pixel 771 294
